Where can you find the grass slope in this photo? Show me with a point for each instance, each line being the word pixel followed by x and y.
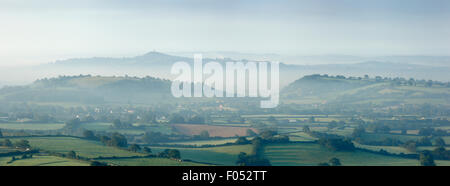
pixel 85 148
pixel 42 161
pixel 226 155
pixel 312 154
pixel 149 162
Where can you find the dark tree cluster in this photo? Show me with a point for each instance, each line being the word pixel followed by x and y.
pixel 331 162
pixel 441 153
pixel 97 163
pixel 179 119
pixel 428 131
pixel 134 148
pixel 117 124
pixel 155 137
pixel 251 160
pixel 6 143
pixel 426 158
pixel 242 141
pixel 89 135
pixel 337 144
pixel 170 153
pixel 24 144
pixel 116 140
pixel 270 136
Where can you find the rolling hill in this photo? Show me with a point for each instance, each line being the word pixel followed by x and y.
pixel 158 64
pixel 381 91
pixel 90 89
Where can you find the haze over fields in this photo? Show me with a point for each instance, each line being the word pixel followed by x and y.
pixel 89 82
pixel 293 32
pixel 158 64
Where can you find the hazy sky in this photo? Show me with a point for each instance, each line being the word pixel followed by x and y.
pixel 36 31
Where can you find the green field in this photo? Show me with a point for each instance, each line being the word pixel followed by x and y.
pixel 205 142
pixel 301 136
pixel 381 137
pixel 42 161
pixel 226 155
pixel 312 154
pixel 84 148
pixel 5 149
pixel 347 131
pixel 102 126
pixel 31 126
pixel 390 149
pixel 149 162
pixel 403 138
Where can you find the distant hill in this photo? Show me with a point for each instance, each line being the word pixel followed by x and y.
pixel 90 89
pixel 323 89
pixel 311 89
pixel 150 59
pixel 158 64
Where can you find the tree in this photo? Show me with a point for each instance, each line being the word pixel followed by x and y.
pixel 251 160
pixel 73 122
pixel 242 141
pixel 105 140
pixel 134 147
pixel 337 144
pixel 306 129
pixel 97 163
pixel 176 118
pixel 333 124
pixel 424 141
pixel 382 129
pixel 250 132
pixel 312 119
pixel 428 131
pixel 72 125
pixel 147 150
pixel 257 146
pixel 204 134
pixel 439 132
pixel 117 123
pixel 118 140
pixel 72 154
pixel 7 143
pixel 23 144
pixel 89 119
pixel 334 162
pixel 358 132
pixel 155 137
pixel 173 153
pixel 426 159
pixel 197 120
pixel 267 134
pixel 170 153
pixel 242 156
pixel 441 153
pixel 121 125
pixel 89 135
pixel 410 146
pixel 323 164
pixel 439 142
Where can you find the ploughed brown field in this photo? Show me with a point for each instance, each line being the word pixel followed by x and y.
pixel 214 131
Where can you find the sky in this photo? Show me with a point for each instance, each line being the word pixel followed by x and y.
pixel 40 31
